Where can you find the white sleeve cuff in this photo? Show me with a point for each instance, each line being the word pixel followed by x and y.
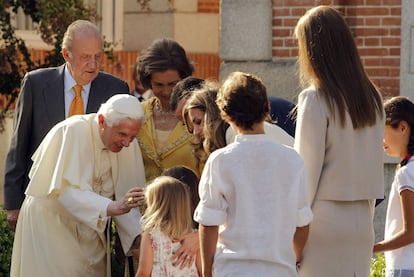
pixel 304 216
pixel 209 217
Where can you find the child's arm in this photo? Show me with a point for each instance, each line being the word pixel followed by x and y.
pixel 198 262
pixel 406 235
pixel 299 241
pixel 208 243
pixel 146 256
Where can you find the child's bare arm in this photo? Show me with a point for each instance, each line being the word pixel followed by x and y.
pixel 146 256
pixel 198 263
pixel 208 243
pixel 299 241
pixel 406 235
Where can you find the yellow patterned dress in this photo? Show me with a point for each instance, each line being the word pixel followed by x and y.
pixel 177 149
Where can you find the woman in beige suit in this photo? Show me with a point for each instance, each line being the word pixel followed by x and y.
pixel 339 134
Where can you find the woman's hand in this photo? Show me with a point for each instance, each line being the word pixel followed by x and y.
pixel 186 255
pixel 132 199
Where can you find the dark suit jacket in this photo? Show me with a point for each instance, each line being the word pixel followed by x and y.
pixel 280 111
pixel 39 107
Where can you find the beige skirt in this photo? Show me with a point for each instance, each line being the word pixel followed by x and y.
pixel 340 240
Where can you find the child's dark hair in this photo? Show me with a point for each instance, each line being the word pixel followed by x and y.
pixel 188 177
pixel 183 89
pixel 243 99
pixel 399 109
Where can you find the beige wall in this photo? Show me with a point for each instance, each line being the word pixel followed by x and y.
pixel 196 32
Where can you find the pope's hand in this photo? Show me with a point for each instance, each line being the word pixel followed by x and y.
pixel 132 199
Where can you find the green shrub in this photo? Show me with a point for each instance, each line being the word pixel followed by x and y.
pixel 377 266
pixel 6 244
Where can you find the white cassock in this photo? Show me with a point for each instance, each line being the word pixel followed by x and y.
pixel 61 225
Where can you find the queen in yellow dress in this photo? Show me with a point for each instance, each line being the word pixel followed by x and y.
pixel 163 139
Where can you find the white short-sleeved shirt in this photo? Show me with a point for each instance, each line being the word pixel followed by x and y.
pixel 401 258
pixel 254 189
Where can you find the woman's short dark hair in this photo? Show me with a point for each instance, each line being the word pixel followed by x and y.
pixel 163 54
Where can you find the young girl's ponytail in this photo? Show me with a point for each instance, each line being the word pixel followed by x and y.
pixel 399 109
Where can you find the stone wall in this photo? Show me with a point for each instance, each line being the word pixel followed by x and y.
pixel 246 45
pixel 407 49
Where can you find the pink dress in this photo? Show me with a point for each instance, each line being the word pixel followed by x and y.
pixel 164 248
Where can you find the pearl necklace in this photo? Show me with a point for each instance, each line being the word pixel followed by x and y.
pixel 164 115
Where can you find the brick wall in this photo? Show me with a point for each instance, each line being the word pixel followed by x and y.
pixel 207 66
pixel 375 23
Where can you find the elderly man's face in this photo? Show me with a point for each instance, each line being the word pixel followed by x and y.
pixel 85 58
pixel 119 135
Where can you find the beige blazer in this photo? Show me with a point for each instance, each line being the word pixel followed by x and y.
pixel 342 164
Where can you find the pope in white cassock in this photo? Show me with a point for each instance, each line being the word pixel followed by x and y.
pixel 87 169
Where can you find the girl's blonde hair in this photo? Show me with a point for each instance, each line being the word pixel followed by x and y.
pixel 169 207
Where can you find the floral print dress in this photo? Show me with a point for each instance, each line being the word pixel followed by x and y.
pixel 164 248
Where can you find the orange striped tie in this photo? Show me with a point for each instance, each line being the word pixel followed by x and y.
pixel 76 107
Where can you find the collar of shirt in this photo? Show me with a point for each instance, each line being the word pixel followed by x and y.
pixel 68 83
pixel 251 137
pixel 146 95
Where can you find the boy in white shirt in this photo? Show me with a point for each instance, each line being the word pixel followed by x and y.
pixel 253 211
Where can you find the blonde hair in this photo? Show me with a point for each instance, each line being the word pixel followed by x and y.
pixel 168 207
pixel 214 130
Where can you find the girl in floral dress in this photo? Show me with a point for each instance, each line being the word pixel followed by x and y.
pixel 165 221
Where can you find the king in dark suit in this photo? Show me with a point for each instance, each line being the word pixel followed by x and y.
pixel 46 98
